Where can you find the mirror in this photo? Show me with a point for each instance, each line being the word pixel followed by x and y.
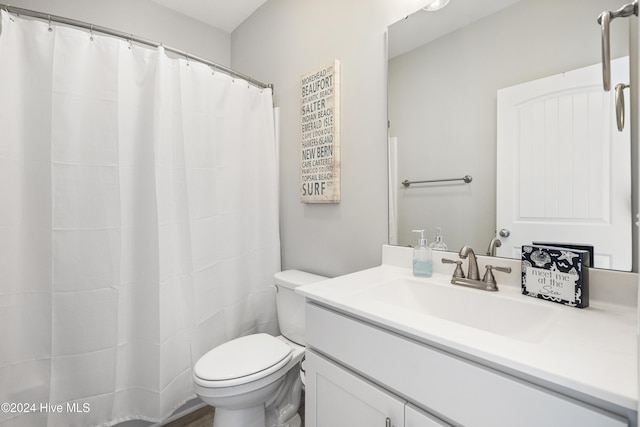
pixel 444 71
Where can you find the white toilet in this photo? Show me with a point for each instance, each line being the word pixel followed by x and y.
pixel 254 381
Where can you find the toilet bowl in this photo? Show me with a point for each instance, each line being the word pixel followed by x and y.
pixel 254 381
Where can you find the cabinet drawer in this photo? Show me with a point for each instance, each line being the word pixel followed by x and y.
pixel 416 417
pixel 451 387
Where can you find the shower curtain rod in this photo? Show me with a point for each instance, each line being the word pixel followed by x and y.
pixel 132 38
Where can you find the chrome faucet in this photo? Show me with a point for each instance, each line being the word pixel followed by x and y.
pixel 493 244
pixel 472 273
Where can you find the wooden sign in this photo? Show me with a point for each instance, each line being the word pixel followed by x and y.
pixel 320 135
pixel 556 274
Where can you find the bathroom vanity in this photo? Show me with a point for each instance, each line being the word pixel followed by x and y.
pixel 387 349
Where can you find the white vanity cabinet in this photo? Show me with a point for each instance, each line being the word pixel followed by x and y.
pixel 416 417
pixel 341 398
pixel 360 374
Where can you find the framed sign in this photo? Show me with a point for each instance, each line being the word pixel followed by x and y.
pixel 556 274
pixel 320 135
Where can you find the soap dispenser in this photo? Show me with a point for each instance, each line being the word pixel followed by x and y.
pixel 422 257
pixel 438 244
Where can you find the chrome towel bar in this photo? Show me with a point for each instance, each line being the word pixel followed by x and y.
pixel 604 19
pixel 620 87
pixel 467 179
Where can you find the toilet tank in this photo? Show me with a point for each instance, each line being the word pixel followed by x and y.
pixel 290 305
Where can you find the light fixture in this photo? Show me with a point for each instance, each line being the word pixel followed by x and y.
pixel 435 5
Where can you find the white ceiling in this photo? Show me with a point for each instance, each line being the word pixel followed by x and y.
pixel 418 29
pixel 223 14
pixel 422 27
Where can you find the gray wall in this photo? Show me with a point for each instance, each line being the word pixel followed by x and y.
pixel 143 18
pixel 285 39
pixel 442 106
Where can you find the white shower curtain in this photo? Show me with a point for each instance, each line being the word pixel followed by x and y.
pixel 138 224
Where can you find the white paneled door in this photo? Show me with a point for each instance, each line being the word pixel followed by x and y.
pixel 563 168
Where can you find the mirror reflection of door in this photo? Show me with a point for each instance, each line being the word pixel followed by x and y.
pixel 563 168
pixel 444 72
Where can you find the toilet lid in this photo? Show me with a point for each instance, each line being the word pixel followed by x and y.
pixel 243 359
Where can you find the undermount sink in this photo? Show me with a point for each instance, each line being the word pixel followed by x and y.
pixel 524 319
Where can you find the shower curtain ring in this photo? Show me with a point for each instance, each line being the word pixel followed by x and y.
pixel 130 41
pixel 50 29
pixel 186 57
pixel 91 32
pixel 6 9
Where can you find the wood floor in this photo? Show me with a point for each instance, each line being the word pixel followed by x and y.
pixel 204 417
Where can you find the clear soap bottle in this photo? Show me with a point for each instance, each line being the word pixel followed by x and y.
pixel 438 244
pixel 422 257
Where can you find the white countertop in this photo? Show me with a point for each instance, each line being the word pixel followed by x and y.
pixel 592 351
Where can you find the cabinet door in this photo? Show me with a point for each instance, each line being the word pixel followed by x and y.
pixel 416 417
pixel 336 397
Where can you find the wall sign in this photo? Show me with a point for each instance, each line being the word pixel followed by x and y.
pixel 320 135
pixel 556 274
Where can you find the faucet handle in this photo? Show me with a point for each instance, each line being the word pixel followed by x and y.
pixel 489 280
pixel 458 273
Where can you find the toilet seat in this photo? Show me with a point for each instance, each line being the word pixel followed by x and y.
pixel 242 360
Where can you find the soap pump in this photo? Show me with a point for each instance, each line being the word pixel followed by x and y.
pixel 422 257
pixel 438 244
